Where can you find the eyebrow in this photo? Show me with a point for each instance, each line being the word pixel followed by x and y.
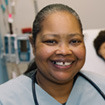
pixel 74 34
pixel 57 35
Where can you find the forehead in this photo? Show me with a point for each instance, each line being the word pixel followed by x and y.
pixel 65 15
pixel 61 21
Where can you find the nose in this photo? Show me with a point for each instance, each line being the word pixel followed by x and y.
pixel 64 49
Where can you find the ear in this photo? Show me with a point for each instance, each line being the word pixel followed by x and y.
pixel 32 43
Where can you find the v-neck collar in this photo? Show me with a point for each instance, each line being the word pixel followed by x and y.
pixel 45 99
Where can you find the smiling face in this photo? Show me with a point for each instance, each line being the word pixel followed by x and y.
pixel 59 50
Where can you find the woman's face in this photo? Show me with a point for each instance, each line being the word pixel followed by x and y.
pixel 102 50
pixel 59 50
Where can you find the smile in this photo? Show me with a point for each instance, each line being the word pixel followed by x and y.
pixel 62 63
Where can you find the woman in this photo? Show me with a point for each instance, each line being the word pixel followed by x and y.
pixel 59 51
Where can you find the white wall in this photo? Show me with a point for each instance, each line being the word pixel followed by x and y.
pixel 91 12
pixel 25 13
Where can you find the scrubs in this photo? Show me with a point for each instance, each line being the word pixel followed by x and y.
pixel 19 92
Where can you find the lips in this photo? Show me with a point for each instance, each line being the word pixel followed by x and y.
pixel 62 64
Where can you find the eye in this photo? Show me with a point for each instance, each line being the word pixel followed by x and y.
pixel 75 42
pixel 50 42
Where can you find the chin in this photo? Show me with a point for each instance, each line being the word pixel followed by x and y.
pixel 63 78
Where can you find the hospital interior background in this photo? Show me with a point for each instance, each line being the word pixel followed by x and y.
pixel 16 17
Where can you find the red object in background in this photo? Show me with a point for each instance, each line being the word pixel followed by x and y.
pixel 26 30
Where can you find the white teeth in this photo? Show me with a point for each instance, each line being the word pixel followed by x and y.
pixel 63 63
pixel 59 63
pixel 67 63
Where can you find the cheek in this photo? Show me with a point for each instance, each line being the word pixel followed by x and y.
pixel 43 52
pixel 80 52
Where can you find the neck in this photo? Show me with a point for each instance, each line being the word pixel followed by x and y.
pixel 59 91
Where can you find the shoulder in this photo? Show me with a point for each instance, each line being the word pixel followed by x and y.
pixel 17 91
pixel 98 79
pixel 84 92
pixel 15 86
pixel 93 75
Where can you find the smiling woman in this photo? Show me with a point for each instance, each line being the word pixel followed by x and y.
pixel 61 41
pixel 54 77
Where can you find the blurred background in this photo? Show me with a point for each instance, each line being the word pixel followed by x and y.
pixel 16 18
